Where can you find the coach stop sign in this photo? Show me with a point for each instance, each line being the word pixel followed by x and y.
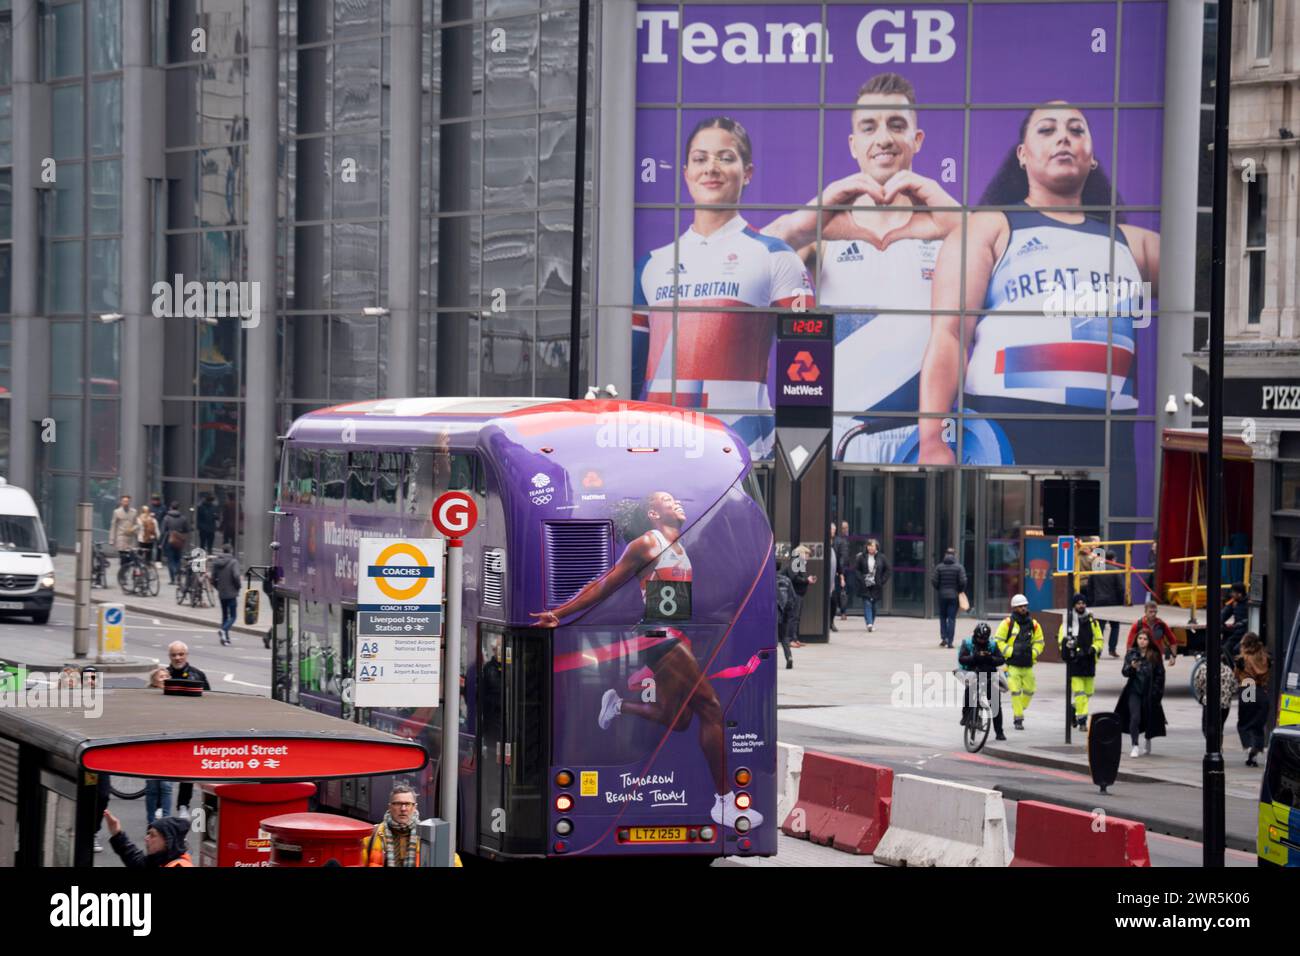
pixel 399 618
pixel 455 514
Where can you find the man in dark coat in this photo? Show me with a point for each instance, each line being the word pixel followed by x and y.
pixel 1107 591
pixel 205 519
pixel 949 580
pixel 844 570
pixel 164 843
pixel 181 669
pixel 1236 618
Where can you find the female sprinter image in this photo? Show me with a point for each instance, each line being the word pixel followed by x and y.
pixel 720 267
pixel 655 555
pixel 1051 295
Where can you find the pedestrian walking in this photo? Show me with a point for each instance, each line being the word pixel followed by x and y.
pixel 1159 633
pixel 784 606
pixel 394 841
pixel 157 793
pixel 1107 590
pixel 229 519
pixel 1227 691
pixel 122 530
pixel 848 572
pixel 146 533
pixel 801 579
pixel 834 579
pixel 159 511
pixel 1080 641
pixel 226 578
pixel 949 582
pixel 1236 618
pixel 181 669
pixel 176 535
pixel 873 572
pixel 1253 667
pixel 1020 638
pixel 164 843
pixel 1139 709
pixel 205 520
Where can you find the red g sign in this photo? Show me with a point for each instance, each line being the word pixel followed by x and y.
pixel 454 514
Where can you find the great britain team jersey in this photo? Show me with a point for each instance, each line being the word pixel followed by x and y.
pixel 1049 270
pixel 886 340
pixel 722 355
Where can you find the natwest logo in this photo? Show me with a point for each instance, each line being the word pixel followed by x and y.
pixel 803 368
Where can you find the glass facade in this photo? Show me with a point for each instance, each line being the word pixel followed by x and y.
pixel 6 222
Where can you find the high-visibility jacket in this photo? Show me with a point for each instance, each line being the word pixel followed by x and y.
pixel 1009 634
pixel 1084 665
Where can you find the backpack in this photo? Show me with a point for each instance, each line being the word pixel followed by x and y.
pixel 784 595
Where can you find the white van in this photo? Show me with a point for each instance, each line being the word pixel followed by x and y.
pixel 26 571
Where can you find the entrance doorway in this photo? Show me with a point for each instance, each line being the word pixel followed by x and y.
pixel 910 514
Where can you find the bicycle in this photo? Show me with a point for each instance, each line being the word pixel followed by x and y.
pixel 975 732
pixel 192 584
pixel 138 576
pixel 98 566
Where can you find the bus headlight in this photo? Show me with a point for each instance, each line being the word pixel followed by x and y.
pixel 47 580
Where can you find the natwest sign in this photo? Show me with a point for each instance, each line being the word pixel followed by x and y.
pixel 803 374
pixel 258 758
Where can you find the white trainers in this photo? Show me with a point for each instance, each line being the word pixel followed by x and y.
pixel 611 705
pixel 724 812
pixel 1135 752
pixel 183 812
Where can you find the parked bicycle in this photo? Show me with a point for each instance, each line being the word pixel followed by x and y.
pixel 138 575
pixel 98 566
pixel 192 583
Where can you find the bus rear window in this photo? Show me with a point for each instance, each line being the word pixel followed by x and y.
pixel 300 476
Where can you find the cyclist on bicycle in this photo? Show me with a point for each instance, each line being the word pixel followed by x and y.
pixel 978 656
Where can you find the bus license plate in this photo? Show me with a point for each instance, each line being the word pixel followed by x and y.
pixel 11 605
pixel 657 835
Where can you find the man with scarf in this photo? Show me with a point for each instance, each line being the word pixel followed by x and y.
pixel 395 841
pixel 164 843
pixel 1081 644
pixel 1020 638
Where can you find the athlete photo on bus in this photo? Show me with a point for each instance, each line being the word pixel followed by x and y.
pixel 1019 261
pixel 656 557
pixel 718 356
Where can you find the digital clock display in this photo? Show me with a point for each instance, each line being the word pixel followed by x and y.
pixel 811 327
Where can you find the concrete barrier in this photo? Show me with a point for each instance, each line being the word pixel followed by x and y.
pixel 1048 835
pixel 789 767
pixel 842 803
pixel 937 823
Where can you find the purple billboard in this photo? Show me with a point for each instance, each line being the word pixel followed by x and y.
pixel 971 188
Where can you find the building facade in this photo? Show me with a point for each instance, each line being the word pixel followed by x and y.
pixel 220 214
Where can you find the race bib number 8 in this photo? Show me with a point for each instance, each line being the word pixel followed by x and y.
pixel 668 601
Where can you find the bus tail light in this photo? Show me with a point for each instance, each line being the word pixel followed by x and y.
pixel 744 844
pixel 560 846
pixel 743 777
pixel 623 836
pixel 564 778
pixel 706 833
pixel 564 827
pixel 743 800
pixel 742 824
pixel 564 803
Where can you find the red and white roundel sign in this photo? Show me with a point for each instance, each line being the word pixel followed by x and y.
pixel 455 514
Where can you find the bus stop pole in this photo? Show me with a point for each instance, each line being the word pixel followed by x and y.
pixel 449 770
pixel 81 613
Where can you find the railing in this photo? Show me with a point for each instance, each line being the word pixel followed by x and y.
pixel 1191 594
pixel 1126 569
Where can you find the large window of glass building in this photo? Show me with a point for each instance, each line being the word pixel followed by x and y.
pixel 6 220
pixel 81 238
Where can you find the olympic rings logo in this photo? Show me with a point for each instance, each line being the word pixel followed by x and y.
pixel 541 499
pixel 411 551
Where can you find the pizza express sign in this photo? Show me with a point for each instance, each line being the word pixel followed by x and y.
pixel 1262 397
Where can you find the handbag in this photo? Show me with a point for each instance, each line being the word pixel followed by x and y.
pixel 963 601
pixel 175 539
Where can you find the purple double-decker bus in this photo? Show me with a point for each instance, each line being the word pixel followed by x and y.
pixel 618 689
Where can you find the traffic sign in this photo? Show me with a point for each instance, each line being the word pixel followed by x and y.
pixel 455 514
pixel 112 630
pixel 1065 554
pixel 399 617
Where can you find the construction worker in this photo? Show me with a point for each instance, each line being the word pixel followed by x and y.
pixel 1020 639
pixel 1081 645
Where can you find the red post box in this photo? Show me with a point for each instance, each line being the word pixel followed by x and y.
pixel 232 815
pixel 314 839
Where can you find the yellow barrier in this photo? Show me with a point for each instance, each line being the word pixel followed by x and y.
pixel 1127 570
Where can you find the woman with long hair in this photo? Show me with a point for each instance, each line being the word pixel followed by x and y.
pixel 718 355
pixel 655 556
pixel 1139 709
pixel 1253 667
pixel 1054 264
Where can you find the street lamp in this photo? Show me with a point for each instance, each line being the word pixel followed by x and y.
pixel 108 318
pixel 374 311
